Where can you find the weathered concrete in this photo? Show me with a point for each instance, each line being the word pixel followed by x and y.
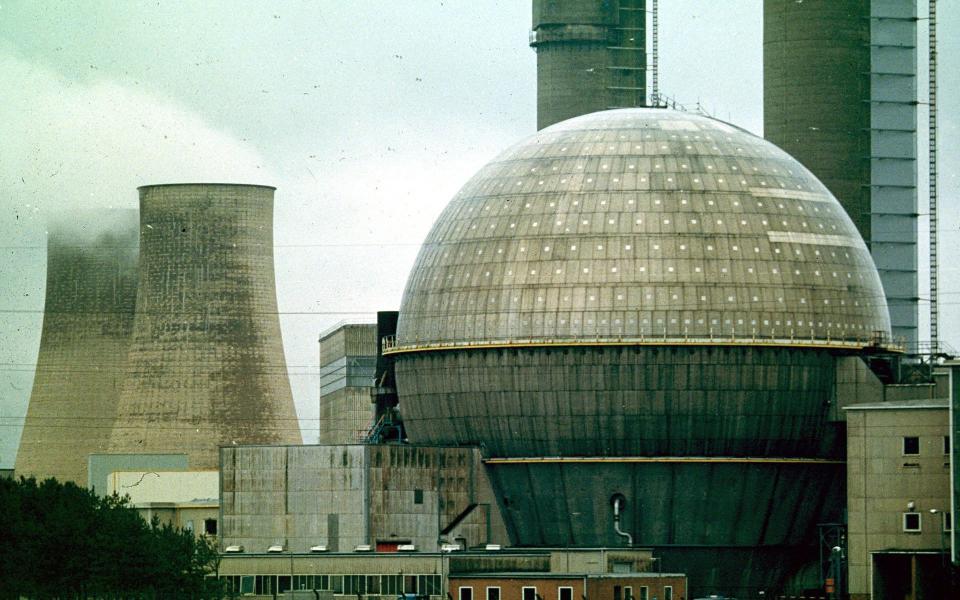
pixel 206 365
pixel 87 323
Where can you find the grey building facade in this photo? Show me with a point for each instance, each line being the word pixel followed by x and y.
pixel 348 356
pixel 205 364
pixel 88 318
pixel 840 95
pixel 343 496
pixel 591 55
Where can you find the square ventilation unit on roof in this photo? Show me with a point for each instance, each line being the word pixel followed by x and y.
pixel 406 548
pixel 450 548
pixel 233 549
pixel 275 548
pixel 492 547
pixel 363 548
pixel 318 548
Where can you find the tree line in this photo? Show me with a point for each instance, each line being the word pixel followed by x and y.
pixel 59 540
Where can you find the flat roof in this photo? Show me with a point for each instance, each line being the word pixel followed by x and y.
pixel 918 404
pixel 571 575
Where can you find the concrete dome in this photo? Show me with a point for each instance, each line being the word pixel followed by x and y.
pixel 643 225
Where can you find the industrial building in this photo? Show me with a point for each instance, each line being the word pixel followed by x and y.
pixel 488 573
pixel 591 56
pixel 348 355
pixel 88 317
pixel 840 96
pixel 205 365
pixel 342 497
pixel 898 498
pixel 645 310
pixel 188 500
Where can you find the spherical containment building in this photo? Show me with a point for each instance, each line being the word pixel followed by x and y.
pixel 205 366
pixel 644 308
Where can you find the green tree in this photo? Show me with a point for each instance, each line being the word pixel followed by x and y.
pixel 63 541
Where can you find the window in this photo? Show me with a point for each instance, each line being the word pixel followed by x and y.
pixel 493 593
pixel 948 521
pixel 668 592
pixel 911 445
pixel 210 526
pixel 628 593
pixel 564 593
pixel 911 521
pixel 466 593
pixel 617 593
pixel 529 593
pixel 946 444
pixel 188 526
pixel 418 496
pixel 644 593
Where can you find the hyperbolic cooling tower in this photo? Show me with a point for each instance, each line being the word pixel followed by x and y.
pixel 644 303
pixel 88 316
pixel 591 55
pixel 206 365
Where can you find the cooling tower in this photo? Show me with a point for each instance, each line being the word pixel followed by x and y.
pixel 645 305
pixel 206 365
pixel 88 317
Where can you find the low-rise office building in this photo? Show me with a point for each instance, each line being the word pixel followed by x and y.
pixel 898 499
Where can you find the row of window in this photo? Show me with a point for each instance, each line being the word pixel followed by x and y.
pixel 911 445
pixel 349 585
pixel 913 522
pixel 564 593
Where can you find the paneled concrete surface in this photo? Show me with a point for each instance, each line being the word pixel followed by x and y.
pixel 621 401
pixel 342 496
pixel 642 224
pixel 206 364
pixel 87 322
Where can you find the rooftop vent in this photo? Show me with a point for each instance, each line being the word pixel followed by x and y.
pixel 406 548
pixel 318 548
pixel 450 548
pixel 363 548
pixel 492 547
pixel 275 548
pixel 233 549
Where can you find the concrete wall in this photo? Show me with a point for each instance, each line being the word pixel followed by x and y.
pixel 881 481
pixel 87 323
pixel 591 56
pixel 206 364
pixel 165 486
pixel 343 496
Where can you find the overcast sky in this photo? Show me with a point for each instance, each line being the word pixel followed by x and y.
pixel 367 116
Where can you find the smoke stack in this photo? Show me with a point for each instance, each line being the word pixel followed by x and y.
pixel 88 317
pixel 206 365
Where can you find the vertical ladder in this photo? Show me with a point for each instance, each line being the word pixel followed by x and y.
pixel 627 52
pixel 932 128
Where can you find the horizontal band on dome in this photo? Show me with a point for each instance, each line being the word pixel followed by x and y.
pixel 764 192
pixel 661 459
pixel 816 239
pixel 390 346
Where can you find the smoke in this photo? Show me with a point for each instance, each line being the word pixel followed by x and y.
pixel 69 147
